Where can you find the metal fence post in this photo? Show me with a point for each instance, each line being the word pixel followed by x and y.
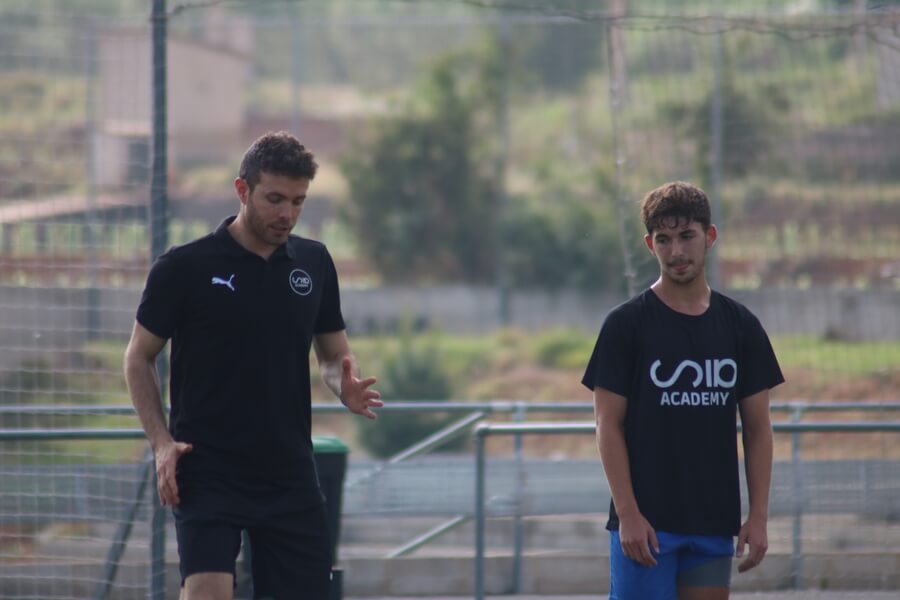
pixel 518 534
pixel 159 228
pixel 159 200
pixel 796 535
pixel 479 514
pixel 157 545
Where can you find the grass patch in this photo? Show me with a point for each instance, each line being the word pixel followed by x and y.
pixel 479 365
pixel 833 359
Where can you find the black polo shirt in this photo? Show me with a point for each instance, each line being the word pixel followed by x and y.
pixel 241 330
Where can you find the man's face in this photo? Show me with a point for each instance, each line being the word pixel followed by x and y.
pixel 271 210
pixel 680 247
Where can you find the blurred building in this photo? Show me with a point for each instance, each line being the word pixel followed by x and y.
pixel 205 108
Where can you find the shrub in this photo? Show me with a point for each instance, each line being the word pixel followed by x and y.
pixel 562 349
pixel 414 373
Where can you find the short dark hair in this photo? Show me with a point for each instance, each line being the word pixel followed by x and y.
pixel 277 153
pixel 678 200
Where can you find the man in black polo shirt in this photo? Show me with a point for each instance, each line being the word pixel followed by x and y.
pixel 243 306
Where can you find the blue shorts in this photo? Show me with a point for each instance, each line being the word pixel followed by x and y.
pixel 683 560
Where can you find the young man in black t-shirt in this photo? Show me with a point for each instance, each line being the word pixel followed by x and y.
pixel 669 372
pixel 242 307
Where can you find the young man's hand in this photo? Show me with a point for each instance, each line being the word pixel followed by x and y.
pixel 355 392
pixel 638 538
pixel 752 532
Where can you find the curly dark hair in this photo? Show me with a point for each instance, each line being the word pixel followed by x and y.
pixel 675 200
pixel 277 153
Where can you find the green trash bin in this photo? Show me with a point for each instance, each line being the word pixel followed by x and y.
pixel 330 455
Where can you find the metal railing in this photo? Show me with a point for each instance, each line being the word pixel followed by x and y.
pixel 511 407
pixel 146 478
pixel 485 430
pixel 475 412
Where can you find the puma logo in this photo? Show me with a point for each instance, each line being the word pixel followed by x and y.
pixel 226 282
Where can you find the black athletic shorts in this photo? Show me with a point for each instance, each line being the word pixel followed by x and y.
pixel 290 549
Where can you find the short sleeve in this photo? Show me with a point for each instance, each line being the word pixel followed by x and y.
pixel 329 318
pixel 160 305
pixel 612 361
pixel 759 366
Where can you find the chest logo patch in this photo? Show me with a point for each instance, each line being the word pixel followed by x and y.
pixel 226 282
pixel 717 375
pixel 716 372
pixel 300 282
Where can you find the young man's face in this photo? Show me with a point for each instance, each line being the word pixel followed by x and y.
pixel 680 247
pixel 271 210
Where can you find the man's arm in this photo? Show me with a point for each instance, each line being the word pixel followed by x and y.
pixel 341 374
pixel 635 532
pixel 757 438
pixel 143 387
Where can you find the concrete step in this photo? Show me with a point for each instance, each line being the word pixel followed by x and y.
pixel 544 573
pixel 548 531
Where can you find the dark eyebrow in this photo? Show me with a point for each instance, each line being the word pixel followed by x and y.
pixel 273 195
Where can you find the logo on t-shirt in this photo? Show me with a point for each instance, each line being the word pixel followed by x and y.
pixel 226 282
pixel 300 282
pixel 713 373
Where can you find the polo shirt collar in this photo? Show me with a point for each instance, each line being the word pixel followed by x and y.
pixel 232 246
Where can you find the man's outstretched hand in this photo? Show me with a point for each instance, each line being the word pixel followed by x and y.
pixel 355 392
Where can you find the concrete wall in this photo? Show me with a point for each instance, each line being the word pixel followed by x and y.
pixel 849 314
pixel 48 322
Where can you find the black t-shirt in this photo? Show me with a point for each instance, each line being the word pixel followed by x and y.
pixel 683 377
pixel 241 330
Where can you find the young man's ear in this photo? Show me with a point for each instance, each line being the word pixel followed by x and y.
pixel 712 234
pixel 648 239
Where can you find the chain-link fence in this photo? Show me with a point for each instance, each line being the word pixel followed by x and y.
pixel 481 163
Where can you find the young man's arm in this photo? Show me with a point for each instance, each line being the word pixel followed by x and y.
pixel 341 374
pixel 635 532
pixel 757 439
pixel 143 387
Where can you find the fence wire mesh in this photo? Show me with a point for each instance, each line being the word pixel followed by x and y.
pixel 481 163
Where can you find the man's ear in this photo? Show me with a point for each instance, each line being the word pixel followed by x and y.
pixel 712 234
pixel 242 189
pixel 648 239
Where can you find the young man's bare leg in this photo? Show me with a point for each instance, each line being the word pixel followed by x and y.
pixel 702 592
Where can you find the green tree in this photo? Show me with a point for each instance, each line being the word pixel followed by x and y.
pixel 749 123
pixel 570 241
pixel 563 54
pixel 426 207
pixel 422 199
